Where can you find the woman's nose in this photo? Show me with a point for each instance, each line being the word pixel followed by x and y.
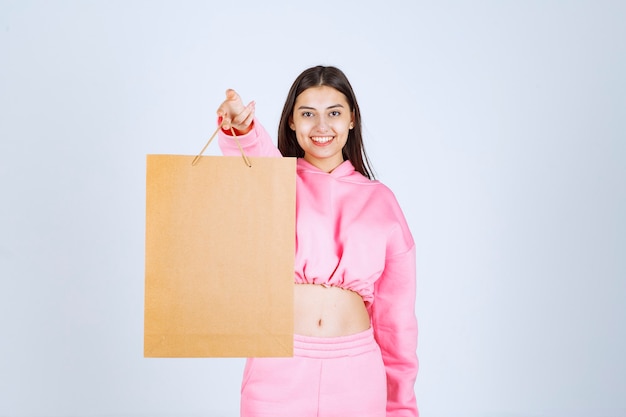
pixel 322 124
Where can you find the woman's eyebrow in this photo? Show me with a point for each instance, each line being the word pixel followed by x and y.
pixel 313 108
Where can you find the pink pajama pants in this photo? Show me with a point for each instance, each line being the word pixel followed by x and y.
pixel 327 377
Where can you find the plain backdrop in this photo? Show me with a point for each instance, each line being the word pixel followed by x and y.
pixel 499 125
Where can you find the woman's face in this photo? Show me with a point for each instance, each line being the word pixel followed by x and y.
pixel 322 120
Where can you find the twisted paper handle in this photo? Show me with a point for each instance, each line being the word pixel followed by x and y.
pixel 243 155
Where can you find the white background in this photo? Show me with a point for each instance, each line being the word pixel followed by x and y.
pixel 500 126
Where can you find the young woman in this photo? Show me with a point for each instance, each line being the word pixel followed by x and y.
pixel 354 300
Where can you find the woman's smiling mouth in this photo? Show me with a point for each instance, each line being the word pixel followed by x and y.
pixel 321 139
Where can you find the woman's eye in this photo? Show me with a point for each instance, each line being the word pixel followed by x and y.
pixel 307 114
pixel 335 113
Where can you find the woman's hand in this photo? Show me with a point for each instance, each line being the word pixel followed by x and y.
pixel 233 113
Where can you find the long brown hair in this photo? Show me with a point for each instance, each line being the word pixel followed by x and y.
pixel 318 76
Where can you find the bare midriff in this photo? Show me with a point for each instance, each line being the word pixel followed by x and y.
pixel 328 311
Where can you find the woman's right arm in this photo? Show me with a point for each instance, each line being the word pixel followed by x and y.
pixel 251 135
pixel 257 142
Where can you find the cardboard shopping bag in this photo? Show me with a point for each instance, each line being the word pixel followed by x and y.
pixel 219 260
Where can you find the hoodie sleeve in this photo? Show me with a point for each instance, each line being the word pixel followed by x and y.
pixel 395 329
pixel 256 142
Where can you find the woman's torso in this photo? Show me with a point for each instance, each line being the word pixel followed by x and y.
pixel 346 228
pixel 323 311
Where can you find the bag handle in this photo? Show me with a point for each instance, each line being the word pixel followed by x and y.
pixel 245 158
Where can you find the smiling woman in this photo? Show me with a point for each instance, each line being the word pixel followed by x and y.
pixel 313 85
pixel 322 120
pixel 354 299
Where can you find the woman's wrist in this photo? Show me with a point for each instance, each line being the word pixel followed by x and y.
pixel 245 131
pixel 238 132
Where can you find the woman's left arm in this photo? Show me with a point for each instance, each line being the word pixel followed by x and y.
pixel 395 329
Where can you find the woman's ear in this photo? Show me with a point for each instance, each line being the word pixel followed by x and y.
pixel 352 120
pixel 292 125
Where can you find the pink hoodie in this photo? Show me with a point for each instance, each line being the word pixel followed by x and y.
pixel 351 233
